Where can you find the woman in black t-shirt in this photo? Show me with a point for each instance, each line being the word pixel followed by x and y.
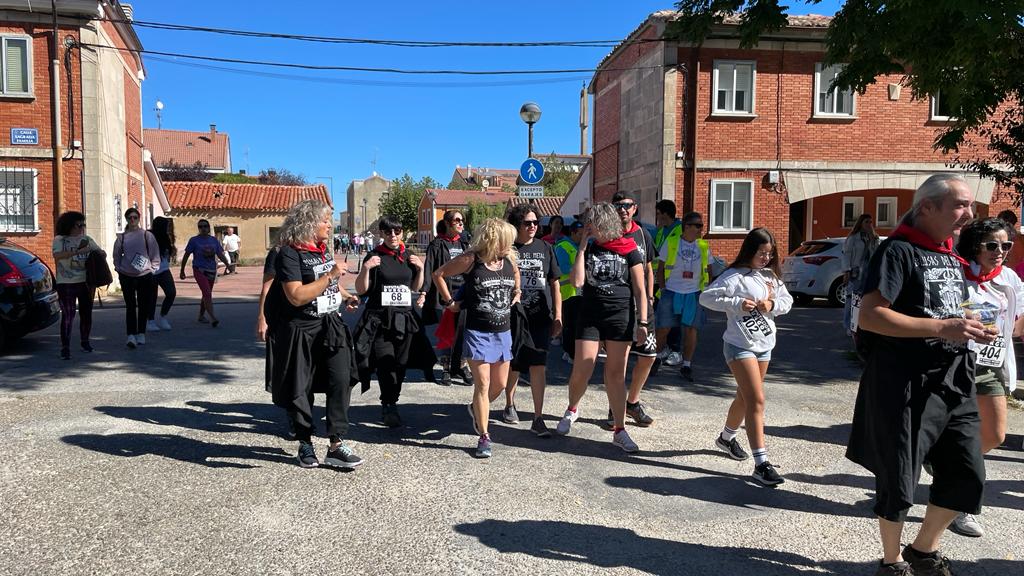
pixel 312 346
pixel 611 273
pixel 390 280
pixel 449 243
pixel 490 290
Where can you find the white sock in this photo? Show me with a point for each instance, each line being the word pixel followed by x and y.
pixel 686 363
pixel 760 456
pixel 728 434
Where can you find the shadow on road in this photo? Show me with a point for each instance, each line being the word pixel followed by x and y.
pixel 837 434
pixel 177 448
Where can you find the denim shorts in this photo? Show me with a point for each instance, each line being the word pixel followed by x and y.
pixel 732 352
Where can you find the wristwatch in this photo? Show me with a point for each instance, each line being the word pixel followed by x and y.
pixel 644 323
pixel 448 302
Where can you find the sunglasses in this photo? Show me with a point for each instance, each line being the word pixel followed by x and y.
pixel 133 217
pixel 393 230
pixel 695 224
pixel 530 223
pixel 991 246
pixel 624 205
pixel 457 220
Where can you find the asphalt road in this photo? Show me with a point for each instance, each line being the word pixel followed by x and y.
pixel 170 459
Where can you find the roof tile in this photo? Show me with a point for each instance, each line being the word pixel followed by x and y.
pixel 447 197
pixel 548 205
pixel 256 197
pixel 187 148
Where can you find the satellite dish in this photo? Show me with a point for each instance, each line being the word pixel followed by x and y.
pixel 486 183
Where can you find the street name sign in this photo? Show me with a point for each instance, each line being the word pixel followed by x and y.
pixel 25 136
pixel 532 171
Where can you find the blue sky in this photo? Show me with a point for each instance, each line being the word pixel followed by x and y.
pixel 335 123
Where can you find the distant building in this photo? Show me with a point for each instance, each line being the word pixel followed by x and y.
pixel 255 211
pixel 581 195
pixel 489 179
pixel 211 148
pixel 363 203
pixel 436 201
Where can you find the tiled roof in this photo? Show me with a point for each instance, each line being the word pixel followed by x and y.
pixel 548 205
pixel 256 197
pixel 447 197
pixel 187 148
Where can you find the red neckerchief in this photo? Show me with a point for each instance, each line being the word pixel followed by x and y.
pixel 399 254
pixel 982 278
pixel 922 240
pixel 321 248
pixel 453 239
pixel 620 245
pixel 632 228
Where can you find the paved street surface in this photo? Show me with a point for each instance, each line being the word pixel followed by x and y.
pixel 170 459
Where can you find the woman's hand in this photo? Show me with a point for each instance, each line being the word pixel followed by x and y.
pixel 352 303
pixel 373 262
pixel 421 300
pixel 261 328
pixel 454 307
pixel 747 305
pixel 765 306
pixel 415 261
pixel 556 327
pixel 641 334
pixel 517 295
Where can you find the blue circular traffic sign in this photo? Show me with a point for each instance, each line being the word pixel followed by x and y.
pixel 532 171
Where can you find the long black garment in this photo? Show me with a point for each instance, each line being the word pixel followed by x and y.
pixel 439 252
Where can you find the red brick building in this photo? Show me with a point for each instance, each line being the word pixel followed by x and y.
pixel 436 201
pixel 754 137
pixel 100 117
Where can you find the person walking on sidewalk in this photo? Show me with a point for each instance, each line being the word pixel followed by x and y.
pixel 538 278
pixel 311 342
pixel 163 231
pixel 491 289
pixel 613 311
pixel 669 229
pixel 71 249
pixel 388 280
pixel 858 248
pixel 684 266
pixel 916 399
pixel 206 250
pixel 232 244
pixel 446 246
pixel 997 295
pixel 136 258
pixel 752 295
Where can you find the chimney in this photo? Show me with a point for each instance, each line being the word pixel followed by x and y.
pixel 469 171
pixel 129 11
pixel 213 129
pixel 584 119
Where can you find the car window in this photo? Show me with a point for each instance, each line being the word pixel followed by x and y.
pixel 808 248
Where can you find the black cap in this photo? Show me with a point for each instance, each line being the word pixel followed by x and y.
pixel 620 196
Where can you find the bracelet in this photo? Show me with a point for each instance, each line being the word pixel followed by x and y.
pixel 644 323
pixel 448 302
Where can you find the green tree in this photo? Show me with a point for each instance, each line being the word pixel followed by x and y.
pixel 970 50
pixel 282 177
pixel 174 172
pixel 402 199
pixel 558 177
pixel 480 211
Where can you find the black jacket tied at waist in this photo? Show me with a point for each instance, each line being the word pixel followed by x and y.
pixel 405 329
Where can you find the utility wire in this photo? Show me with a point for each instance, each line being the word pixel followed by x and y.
pixel 362 68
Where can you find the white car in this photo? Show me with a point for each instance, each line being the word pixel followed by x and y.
pixel 815 270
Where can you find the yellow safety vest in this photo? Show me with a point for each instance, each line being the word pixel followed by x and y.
pixel 565 287
pixel 673 250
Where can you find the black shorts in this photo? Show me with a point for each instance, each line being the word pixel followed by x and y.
pixel 616 328
pixel 648 347
pixel 540 331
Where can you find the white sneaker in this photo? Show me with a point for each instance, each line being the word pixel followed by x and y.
pixel 674 359
pixel 140 339
pixel 163 323
pixel 152 326
pixel 566 422
pixel 622 440
pixel 967 525
pixel 131 341
pixel 664 354
pixel 566 357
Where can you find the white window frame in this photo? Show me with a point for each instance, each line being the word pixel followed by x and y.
pixel 715 110
pixel 35 201
pixel 29 68
pixel 934 100
pixel 818 87
pixel 858 209
pixel 711 206
pixel 893 203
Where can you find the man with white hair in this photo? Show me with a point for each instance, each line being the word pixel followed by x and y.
pixel 916 401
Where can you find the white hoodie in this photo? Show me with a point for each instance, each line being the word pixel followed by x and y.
pixel 747 330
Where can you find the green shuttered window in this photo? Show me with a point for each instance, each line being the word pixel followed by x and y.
pixel 15 57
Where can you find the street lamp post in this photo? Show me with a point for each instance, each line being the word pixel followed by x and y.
pixel 365 224
pixel 334 207
pixel 530 113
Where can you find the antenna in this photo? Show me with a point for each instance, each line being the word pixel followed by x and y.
pixel 159 108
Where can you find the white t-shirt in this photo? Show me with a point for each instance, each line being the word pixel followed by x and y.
pixel 685 277
pixel 231 242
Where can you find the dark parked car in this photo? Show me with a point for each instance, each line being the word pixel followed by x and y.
pixel 28 293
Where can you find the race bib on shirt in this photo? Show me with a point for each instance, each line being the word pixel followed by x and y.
pixel 531 275
pixel 321 269
pixel 328 303
pixel 396 296
pixel 139 262
pixel 754 326
pixel 992 355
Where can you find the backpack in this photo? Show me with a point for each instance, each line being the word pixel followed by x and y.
pixel 97 273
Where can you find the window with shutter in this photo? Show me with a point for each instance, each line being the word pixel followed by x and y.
pixel 15 57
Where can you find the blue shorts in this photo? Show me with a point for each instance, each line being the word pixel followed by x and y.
pixel 489 347
pixel 732 352
pixel 676 309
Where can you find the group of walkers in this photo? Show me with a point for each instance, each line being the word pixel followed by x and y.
pixel 142 260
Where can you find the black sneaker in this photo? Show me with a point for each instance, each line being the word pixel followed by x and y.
pixel 687 373
pixel 609 424
pixel 897 569
pixel 467 376
pixel 926 565
pixel 766 475
pixel 307 455
pixel 65 354
pixel 446 378
pixel 540 428
pixel 732 448
pixel 639 414
pixel 472 414
pixel 86 347
pixel 390 417
pixel 342 457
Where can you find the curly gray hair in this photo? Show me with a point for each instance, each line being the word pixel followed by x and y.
pixel 604 222
pixel 301 222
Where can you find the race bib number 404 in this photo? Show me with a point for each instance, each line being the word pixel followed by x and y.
pixel 754 326
pixel 992 355
pixel 396 296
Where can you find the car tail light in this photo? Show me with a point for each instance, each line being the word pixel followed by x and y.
pixel 14 277
pixel 818 260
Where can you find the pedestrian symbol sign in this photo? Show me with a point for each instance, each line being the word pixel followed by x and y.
pixel 532 171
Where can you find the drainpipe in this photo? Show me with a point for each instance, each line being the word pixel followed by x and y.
pixel 58 151
pixel 693 97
